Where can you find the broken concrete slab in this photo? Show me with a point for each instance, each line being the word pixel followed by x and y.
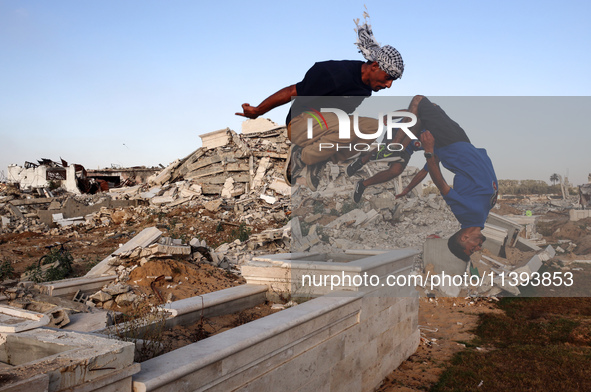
pixel 64 303
pixel 228 188
pixel 280 186
pixel 117 289
pixel 69 287
pixel 259 125
pixel 16 212
pixel 215 139
pixel 58 318
pixel 101 296
pixel 260 173
pixel 126 299
pixel 165 174
pixel 72 208
pixel 171 250
pixel 513 228
pixel 436 253
pixel 152 192
pixel 213 205
pixel 159 200
pixel 145 238
pixel 526 245
pixel 269 199
pixel 39 382
pixel 88 322
pixel 496 238
pixel 357 217
pixel 70 359
pixel 18 320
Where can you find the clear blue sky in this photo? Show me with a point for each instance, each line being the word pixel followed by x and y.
pixel 136 82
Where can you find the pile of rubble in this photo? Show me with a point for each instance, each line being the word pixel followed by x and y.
pixel 235 170
pixel 328 219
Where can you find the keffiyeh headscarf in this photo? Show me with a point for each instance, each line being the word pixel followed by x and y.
pixel 387 57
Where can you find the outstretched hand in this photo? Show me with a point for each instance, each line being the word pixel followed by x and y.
pixel 248 111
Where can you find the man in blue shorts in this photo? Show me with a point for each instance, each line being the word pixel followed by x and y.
pixel 475 188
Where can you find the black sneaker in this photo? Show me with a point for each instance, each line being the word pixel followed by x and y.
pixel 354 166
pixel 312 176
pixel 386 155
pixel 359 189
pixel 293 165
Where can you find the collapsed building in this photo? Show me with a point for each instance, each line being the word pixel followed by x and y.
pixel 46 175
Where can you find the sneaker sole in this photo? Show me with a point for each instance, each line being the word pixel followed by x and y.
pixel 286 168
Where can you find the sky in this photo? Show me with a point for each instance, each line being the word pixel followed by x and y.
pixel 134 83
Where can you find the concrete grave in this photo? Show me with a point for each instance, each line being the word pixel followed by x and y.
pixel 68 360
pixel 284 272
pixel 346 340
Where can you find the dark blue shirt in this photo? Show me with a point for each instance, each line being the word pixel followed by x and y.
pixel 339 79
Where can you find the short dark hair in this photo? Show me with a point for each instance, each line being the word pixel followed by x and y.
pixel 455 246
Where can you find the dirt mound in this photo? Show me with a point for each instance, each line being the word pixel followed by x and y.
pixel 504 208
pixel 179 279
pixel 180 335
pixel 583 245
pixel 570 231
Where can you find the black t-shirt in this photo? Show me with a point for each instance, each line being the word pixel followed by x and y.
pixel 333 79
pixel 445 130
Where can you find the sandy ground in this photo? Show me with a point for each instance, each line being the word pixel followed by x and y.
pixel 444 324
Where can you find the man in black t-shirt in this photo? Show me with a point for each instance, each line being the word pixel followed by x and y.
pixel 349 82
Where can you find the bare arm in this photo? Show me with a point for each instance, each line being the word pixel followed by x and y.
pixel 416 180
pixel 281 97
pixel 433 164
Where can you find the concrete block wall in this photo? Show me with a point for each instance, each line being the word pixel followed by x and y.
pixel 576 215
pixel 344 341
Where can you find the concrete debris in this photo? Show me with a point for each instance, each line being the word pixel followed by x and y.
pixel 213 205
pixel 585 194
pixel 379 221
pixel 88 322
pixel 215 139
pixel 259 126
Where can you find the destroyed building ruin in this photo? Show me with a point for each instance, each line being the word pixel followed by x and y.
pixel 47 174
pixel 235 180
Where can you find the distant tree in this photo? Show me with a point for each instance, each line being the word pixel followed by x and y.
pixel 554 178
pixel 508 187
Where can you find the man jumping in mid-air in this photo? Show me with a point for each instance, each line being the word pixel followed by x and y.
pixel 352 82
